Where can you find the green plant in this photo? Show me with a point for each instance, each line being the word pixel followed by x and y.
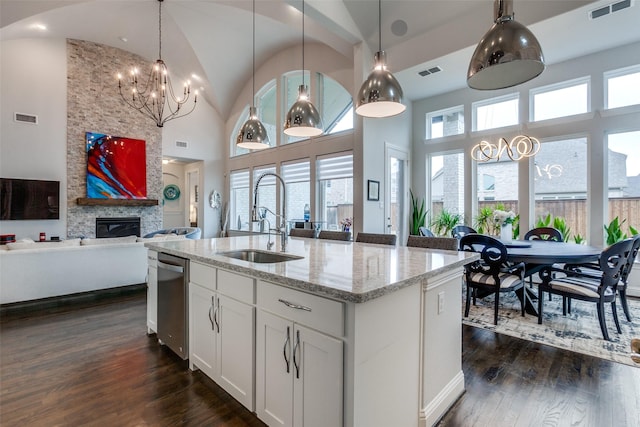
pixel 579 239
pixel 418 215
pixel 614 231
pixel 444 222
pixel 560 224
pixel 544 222
pixel 483 222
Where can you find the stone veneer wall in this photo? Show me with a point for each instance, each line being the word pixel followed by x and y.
pixel 94 105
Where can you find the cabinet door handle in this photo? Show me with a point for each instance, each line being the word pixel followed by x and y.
pixel 215 315
pixel 211 309
pixel 287 343
pixel 295 351
pixel 296 306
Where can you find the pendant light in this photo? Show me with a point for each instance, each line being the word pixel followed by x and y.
pixel 380 95
pixel 507 55
pixel 253 135
pixel 303 119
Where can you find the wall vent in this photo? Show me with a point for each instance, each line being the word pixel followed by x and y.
pixel 431 70
pixel 25 118
pixel 610 8
pixel 182 144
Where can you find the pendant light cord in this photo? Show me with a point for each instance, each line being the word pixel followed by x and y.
pixel 379 25
pixel 253 79
pixel 160 29
pixel 303 42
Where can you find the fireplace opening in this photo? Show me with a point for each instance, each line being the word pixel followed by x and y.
pixel 117 227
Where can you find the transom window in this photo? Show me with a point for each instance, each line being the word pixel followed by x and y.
pixel 496 112
pixel 445 122
pixel 560 100
pixel 622 87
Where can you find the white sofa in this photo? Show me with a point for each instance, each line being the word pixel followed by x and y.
pixel 30 271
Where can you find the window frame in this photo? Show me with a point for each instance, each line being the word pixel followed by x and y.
pixel 443 112
pixel 611 74
pixel 555 87
pixel 489 101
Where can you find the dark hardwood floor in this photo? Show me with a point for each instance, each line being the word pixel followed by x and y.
pixel 93 364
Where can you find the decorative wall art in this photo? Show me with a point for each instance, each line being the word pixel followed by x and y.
pixel 116 167
pixel 373 190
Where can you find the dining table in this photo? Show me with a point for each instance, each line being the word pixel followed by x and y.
pixel 537 254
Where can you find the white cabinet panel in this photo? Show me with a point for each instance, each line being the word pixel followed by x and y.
pixel 152 292
pixel 202 329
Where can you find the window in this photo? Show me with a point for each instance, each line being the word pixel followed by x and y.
pixel 624 178
pixel 266 102
pixel 622 87
pixel 239 213
pixel 497 188
pixel 445 122
pixel 560 100
pixel 496 112
pixel 447 172
pixel 291 83
pixel 560 183
pixel 266 196
pixel 297 176
pixel 335 105
pixel 335 189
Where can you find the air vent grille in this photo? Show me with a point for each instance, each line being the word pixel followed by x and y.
pixel 431 70
pixel 610 8
pixel 25 118
pixel 182 144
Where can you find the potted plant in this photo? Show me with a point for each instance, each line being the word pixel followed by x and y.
pixel 418 215
pixel 444 223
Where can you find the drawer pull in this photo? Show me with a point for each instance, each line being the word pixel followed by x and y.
pixel 296 306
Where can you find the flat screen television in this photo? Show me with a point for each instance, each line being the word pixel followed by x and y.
pixel 22 199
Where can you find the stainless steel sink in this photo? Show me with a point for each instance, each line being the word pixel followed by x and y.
pixel 263 257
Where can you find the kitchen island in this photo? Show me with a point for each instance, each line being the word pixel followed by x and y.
pixel 347 334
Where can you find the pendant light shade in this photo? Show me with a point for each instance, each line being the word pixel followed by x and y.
pixel 303 119
pixel 508 54
pixel 253 135
pixel 380 95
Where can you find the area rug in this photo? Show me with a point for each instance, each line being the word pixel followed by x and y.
pixel 578 331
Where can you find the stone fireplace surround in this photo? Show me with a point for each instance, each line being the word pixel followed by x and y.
pixel 94 105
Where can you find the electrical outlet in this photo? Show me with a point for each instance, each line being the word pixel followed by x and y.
pixel 440 302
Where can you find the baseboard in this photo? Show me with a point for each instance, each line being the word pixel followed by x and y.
pixel 438 407
pixel 64 301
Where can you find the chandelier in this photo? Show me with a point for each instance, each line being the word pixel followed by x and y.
pixel 155 98
pixel 520 147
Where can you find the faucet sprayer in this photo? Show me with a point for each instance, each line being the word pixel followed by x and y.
pixel 282 228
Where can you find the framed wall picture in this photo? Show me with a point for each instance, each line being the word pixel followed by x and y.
pixel 373 190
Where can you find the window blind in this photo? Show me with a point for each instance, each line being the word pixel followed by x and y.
pixel 335 167
pixel 296 172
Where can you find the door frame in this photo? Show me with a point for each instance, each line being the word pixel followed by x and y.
pixel 391 150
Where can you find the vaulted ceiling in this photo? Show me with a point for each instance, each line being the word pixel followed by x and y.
pixel 212 39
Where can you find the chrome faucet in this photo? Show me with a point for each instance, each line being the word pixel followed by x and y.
pixel 282 228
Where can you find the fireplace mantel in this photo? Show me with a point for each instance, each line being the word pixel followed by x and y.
pixel 84 201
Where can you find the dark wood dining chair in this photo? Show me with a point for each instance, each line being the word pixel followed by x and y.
pixel 444 243
pixel 544 233
pixel 425 232
pixel 380 239
pixel 302 232
pixel 462 230
pixel 574 284
pixel 335 235
pixel 491 274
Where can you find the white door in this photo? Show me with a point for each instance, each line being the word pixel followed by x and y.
pixel 235 349
pixel 318 383
pixel 202 329
pixel 274 370
pixel 396 193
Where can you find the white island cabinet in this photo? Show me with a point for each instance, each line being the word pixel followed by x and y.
pixel 221 329
pixel 152 292
pixel 345 334
pixel 299 371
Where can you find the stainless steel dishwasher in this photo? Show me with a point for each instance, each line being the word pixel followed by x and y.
pixel 173 276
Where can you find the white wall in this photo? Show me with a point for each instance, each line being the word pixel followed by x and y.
pixel 33 80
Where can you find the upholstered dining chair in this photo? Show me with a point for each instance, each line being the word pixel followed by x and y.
pixel 462 230
pixel 593 269
pixel 491 274
pixel 302 232
pixel 601 289
pixel 335 235
pixel 444 243
pixel 544 233
pixel 381 239
pixel 424 231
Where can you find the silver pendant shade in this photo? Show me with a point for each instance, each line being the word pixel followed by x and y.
pixel 508 54
pixel 303 119
pixel 253 135
pixel 380 95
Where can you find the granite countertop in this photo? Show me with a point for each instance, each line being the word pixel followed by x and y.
pixel 347 271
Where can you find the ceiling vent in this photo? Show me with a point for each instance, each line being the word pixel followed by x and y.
pixel 25 118
pixel 182 144
pixel 432 70
pixel 610 8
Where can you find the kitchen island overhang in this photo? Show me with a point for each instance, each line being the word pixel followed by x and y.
pixel 402 317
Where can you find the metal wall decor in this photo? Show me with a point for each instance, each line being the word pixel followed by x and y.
pixel 520 147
